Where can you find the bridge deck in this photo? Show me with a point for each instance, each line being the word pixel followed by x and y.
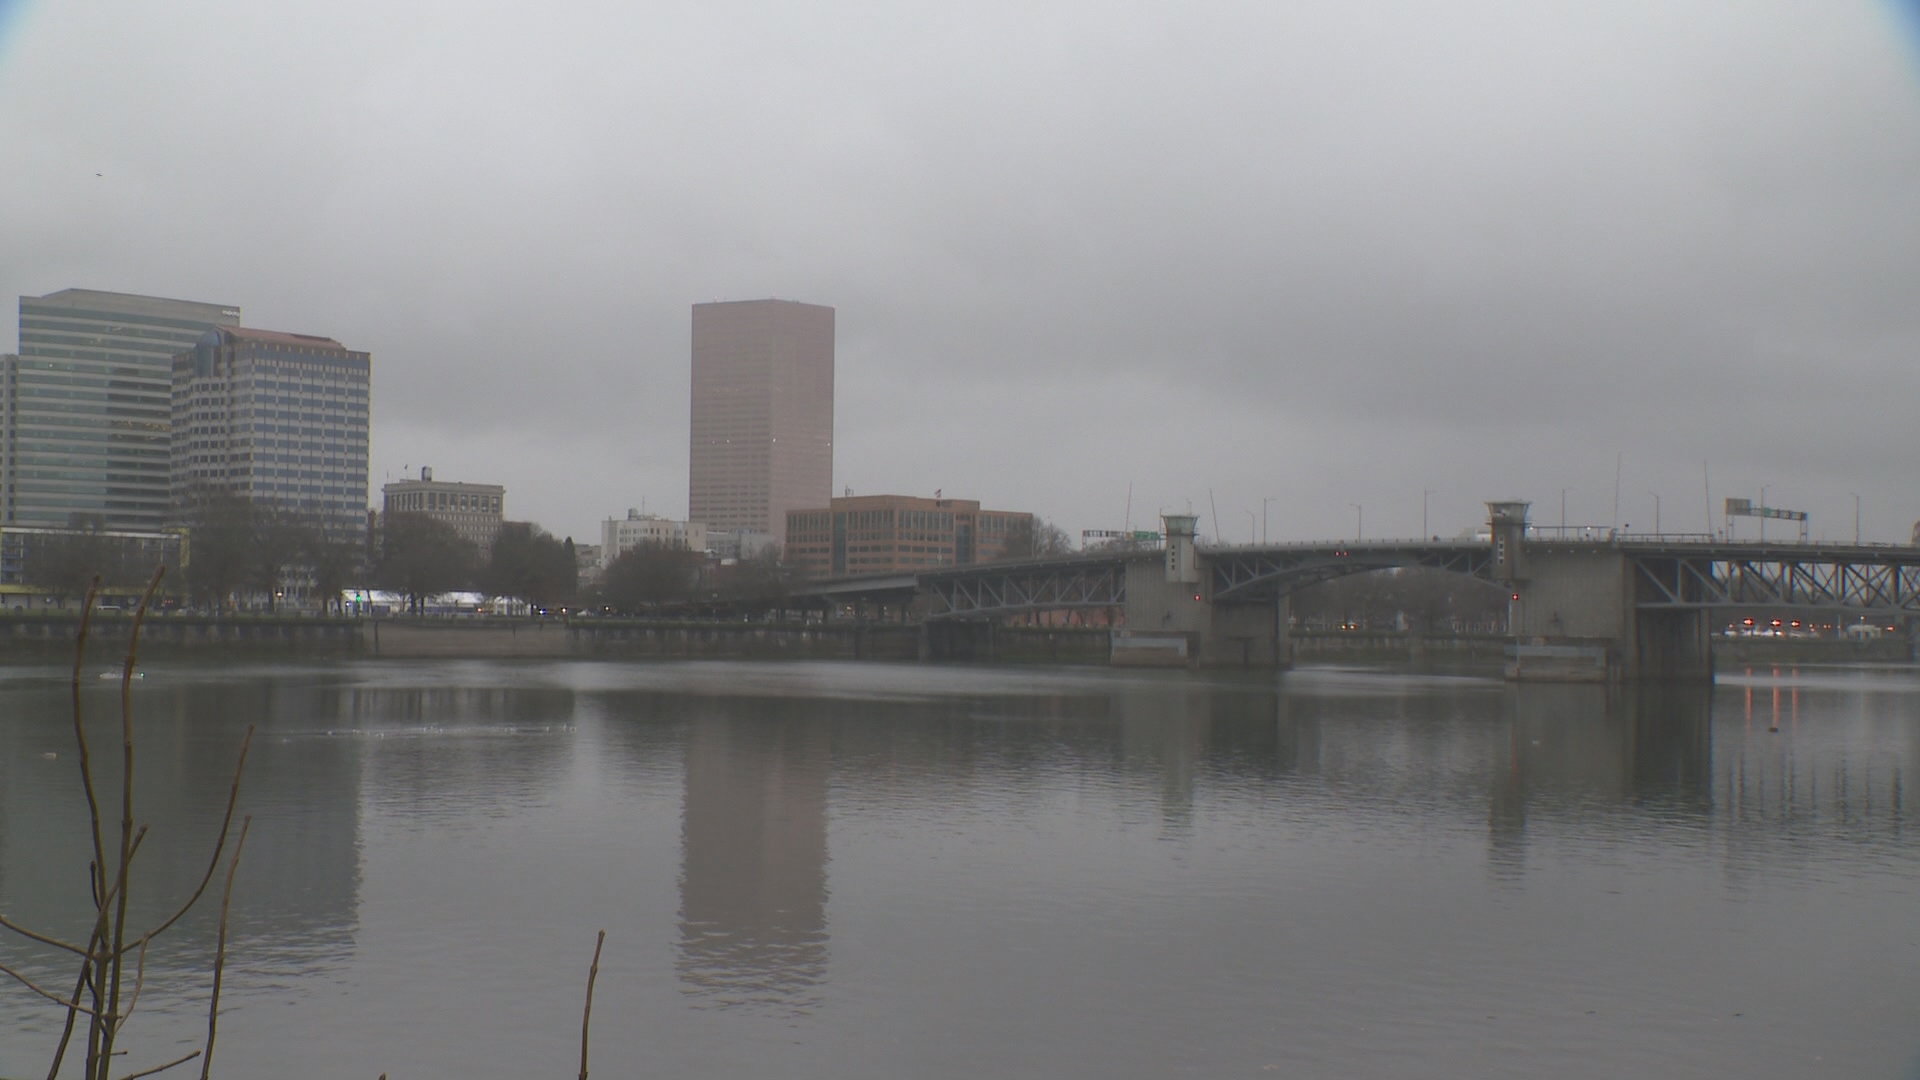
pixel 1671 572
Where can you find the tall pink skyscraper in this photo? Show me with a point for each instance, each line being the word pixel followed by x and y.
pixel 762 430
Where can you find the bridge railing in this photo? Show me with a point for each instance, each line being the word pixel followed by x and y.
pixel 1371 542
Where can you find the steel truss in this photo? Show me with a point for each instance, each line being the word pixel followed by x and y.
pixel 986 591
pixel 1875 581
pixel 1262 573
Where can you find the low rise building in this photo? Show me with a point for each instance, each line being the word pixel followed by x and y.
pixel 878 534
pixel 476 511
pixel 619 536
pixel 739 544
pixel 51 567
pixel 586 563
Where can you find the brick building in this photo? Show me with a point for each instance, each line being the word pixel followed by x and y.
pixel 877 534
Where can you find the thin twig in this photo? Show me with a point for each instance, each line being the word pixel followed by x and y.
pixel 41 938
pixel 220 949
pixel 98 867
pixel 80 732
pixel 586 1014
pixel 139 982
pixel 66 1033
pixel 139 619
pixel 48 994
pixel 161 1068
pixel 233 796
pixel 117 958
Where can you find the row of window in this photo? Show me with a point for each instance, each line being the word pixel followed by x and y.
pixel 412 501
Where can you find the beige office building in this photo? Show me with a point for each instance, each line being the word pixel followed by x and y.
pixel 762 426
pixel 476 511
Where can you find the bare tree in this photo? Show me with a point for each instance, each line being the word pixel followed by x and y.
pixel 278 541
pixel 65 563
pixel 219 549
pixel 530 564
pixel 1035 538
pixel 113 960
pixel 335 562
pixel 649 575
pixel 763 580
pixel 421 556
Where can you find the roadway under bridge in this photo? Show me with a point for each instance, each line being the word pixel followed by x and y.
pixel 1595 607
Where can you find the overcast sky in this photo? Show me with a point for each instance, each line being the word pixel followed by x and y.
pixel 1320 253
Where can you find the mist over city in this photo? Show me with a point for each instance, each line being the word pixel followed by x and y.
pixel 844 540
pixel 1328 253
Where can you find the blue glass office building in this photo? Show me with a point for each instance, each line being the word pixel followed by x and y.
pixel 85 407
pixel 274 417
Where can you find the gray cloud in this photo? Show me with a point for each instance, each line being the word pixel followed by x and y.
pixel 1333 253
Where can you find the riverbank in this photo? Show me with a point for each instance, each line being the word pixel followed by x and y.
pixel 35 637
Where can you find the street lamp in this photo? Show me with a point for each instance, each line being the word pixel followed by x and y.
pixel 1250 536
pixel 1424 492
pixel 1656 512
pixel 1263 515
pixel 1763 513
pixel 1856 517
pixel 1359 522
pixel 1563 512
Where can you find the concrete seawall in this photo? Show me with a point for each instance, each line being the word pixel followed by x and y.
pixel 39 638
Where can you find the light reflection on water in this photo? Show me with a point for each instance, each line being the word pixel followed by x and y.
pixel 878 870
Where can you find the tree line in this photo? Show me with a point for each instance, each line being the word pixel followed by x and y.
pixel 240 552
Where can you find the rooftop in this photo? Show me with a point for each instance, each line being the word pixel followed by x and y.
pixel 276 337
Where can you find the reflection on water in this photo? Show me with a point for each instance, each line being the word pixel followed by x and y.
pixel 851 870
pixel 753 883
pixel 298 886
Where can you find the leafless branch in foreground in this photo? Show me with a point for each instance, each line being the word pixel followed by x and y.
pixel 586 1014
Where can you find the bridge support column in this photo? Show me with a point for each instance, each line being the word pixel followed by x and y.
pixel 1283 632
pixel 1242 635
pixel 1575 613
pixel 1673 645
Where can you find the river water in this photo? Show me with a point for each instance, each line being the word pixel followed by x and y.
pixel 870 870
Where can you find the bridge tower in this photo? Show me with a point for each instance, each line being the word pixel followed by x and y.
pixel 1575 615
pixel 1183 565
pixel 1508 524
pixel 1172 619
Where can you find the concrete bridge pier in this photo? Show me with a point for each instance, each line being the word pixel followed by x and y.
pixel 1672 645
pixel 960 639
pixel 1171 616
pixel 1575 612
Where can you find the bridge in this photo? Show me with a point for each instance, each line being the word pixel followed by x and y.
pixel 1587 605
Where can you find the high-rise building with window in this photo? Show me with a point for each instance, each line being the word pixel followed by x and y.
pixel 762 424
pixel 276 418
pixel 85 408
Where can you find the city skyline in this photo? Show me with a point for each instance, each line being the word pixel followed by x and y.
pixel 1295 257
